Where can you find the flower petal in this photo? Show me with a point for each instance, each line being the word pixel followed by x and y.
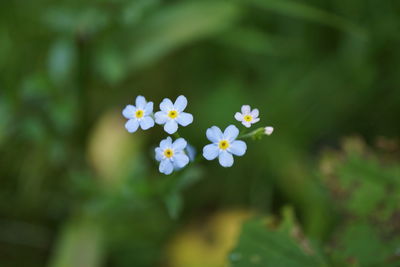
pixel 159 154
pixel 140 102
pixel 254 113
pixel 181 160
pixel 166 167
pixel 185 119
pixel 179 144
pixel 129 112
pixel 148 109
pixel 210 151
pixel 146 123
pixel 166 143
pixel 245 109
pixel 161 117
pixel 231 132
pixel 246 124
pixel 180 103
pixel 171 126
pixel 166 105
pixel 255 120
pixel 191 152
pixel 238 148
pixel 214 134
pixel 239 116
pixel 225 159
pixel 132 125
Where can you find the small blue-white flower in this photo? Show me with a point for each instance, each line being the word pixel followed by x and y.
pixel 171 155
pixel 248 116
pixel 172 114
pixel 224 145
pixel 139 115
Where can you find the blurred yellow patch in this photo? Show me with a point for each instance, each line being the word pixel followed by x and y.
pixel 207 244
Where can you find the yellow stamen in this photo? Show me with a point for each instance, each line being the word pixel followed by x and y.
pixel 248 118
pixel 173 114
pixel 168 153
pixel 223 144
pixel 139 113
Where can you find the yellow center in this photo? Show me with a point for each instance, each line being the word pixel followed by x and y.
pixel 168 153
pixel 248 118
pixel 223 144
pixel 139 113
pixel 172 114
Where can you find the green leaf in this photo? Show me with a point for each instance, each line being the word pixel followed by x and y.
pixel 178 25
pixel 303 11
pixel 260 246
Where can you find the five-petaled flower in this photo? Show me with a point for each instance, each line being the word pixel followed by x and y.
pixel 139 115
pixel 248 116
pixel 171 155
pixel 224 145
pixel 172 114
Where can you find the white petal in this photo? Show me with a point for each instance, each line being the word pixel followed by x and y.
pixel 238 148
pixel 214 134
pixel 140 102
pixel 148 109
pixel 159 154
pixel 191 152
pixel 166 167
pixel 245 109
pixel 231 132
pixel 246 124
pixel 132 125
pixel 166 143
pixel 210 151
pixel 161 117
pixel 255 120
pixel 179 144
pixel 239 116
pixel 268 130
pixel 181 160
pixel 184 118
pixel 254 113
pixel 129 112
pixel 171 126
pixel 225 159
pixel 146 123
pixel 166 105
pixel 180 103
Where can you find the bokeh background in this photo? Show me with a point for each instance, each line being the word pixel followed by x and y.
pixel 77 190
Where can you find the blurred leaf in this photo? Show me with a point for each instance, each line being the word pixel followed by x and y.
pixel 178 25
pixel 174 203
pixel 260 246
pixel 303 11
pixel 62 60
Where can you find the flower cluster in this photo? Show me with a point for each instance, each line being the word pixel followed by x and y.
pixel 175 155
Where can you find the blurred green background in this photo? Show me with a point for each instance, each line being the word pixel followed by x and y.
pixel 77 190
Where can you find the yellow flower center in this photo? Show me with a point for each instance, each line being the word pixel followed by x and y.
pixel 223 144
pixel 168 153
pixel 173 114
pixel 139 113
pixel 248 118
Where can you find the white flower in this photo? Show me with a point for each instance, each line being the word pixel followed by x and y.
pixel 172 114
pixel 171 155
pixel 139 115
pixel 224 145
pixel 248 116
pixel 268 130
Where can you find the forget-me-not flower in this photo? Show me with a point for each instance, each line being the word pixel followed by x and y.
pixel 139 115
pixel 248 116
pixel 224 145
pixel 172 114
pixel 171 155
pixel 268 130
